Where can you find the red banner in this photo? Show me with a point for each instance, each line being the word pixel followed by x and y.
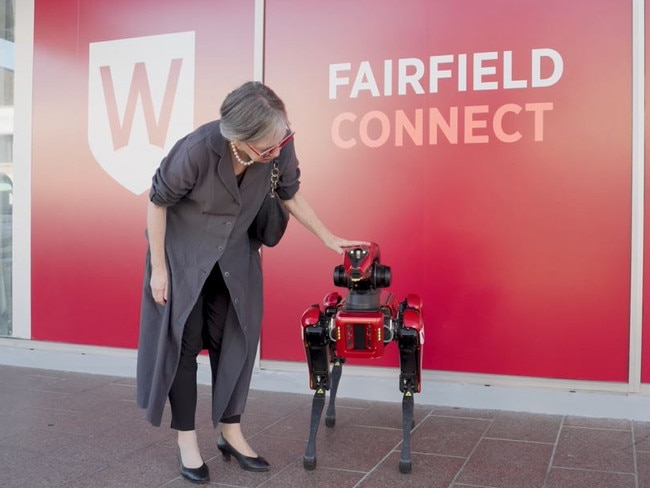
pixel 486 147
pixel 115 84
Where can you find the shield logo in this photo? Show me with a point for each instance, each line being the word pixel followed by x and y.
pixel 140 102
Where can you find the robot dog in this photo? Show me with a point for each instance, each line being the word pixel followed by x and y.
pixel 359 326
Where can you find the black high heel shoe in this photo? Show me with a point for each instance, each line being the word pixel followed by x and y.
pixel 195 475
pixel 246 462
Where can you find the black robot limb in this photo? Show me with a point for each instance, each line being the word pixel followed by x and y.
pixel 409 336
pixel 320 353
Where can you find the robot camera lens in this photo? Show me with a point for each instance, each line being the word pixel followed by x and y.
pixel 339 276
pixel 381 276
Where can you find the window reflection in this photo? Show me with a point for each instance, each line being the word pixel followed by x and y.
pixel 7 23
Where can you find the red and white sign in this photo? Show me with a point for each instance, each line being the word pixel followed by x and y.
pixel 116 82
pixel 486 146
pixel 140 102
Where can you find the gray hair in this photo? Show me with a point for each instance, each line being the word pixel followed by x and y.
pixel 251 113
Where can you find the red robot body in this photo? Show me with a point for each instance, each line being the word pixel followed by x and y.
pixel 359 335
pixel 359 326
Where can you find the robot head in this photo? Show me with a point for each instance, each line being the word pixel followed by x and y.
pixel 361 269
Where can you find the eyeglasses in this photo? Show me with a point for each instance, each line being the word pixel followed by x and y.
pixel 268 151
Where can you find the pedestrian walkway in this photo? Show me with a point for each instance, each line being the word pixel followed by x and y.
pixel 73 430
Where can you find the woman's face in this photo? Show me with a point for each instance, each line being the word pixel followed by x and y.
pixel 266 150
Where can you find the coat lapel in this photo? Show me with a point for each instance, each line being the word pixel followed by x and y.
pixel 227 176
pixel 224 166
pixel 254 174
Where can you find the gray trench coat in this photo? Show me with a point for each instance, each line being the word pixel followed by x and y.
pixel 208 216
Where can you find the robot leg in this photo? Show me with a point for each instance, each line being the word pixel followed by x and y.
pixel 316 344
pixel 410 338
pixel 309 458
pixel 330 415
pixel 407 425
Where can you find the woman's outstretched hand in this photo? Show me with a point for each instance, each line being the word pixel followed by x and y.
pixel 338 244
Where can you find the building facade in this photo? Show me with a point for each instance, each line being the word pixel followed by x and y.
pixel 494 150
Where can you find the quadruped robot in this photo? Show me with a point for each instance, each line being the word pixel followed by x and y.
pixel 359 325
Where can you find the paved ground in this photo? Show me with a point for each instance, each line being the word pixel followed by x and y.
pixel 74 430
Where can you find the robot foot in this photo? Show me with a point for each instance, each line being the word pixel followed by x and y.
pixel 309 459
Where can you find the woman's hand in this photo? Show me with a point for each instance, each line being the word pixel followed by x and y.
pixel 158 284
pixel 156 228
pixel 338 244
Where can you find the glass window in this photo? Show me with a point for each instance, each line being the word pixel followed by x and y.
pixel 6 160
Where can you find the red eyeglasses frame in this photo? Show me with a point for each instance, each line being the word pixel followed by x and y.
pixel 279 145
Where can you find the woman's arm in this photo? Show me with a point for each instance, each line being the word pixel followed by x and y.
pixel 156 228
pixel 305 214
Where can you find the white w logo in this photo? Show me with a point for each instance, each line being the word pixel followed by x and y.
pixel 141 99
pixel 140 89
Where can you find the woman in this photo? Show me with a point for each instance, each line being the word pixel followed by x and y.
pixel 203 281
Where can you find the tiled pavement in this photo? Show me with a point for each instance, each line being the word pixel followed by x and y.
pixel 74 430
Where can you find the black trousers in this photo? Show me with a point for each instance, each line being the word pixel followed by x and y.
pixel 204 328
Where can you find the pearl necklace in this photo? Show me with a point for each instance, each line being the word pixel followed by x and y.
pixel 238 157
